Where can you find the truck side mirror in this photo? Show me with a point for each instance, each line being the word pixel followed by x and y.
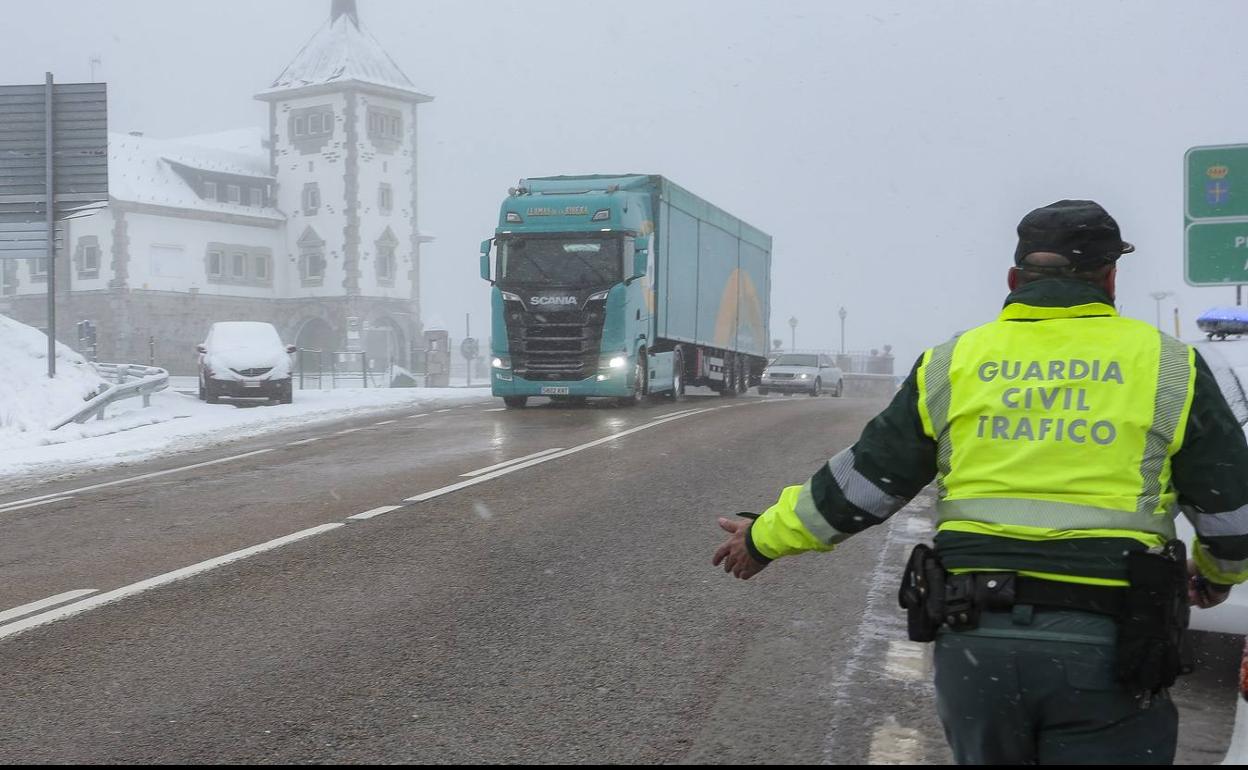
pixel 641 251
pixel 485 261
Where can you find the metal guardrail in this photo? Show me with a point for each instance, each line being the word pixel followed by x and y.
pixel 129 381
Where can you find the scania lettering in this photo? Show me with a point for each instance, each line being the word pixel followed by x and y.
pixel 621 287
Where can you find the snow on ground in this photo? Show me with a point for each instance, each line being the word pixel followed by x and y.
pixel 178 422
pixel 29 401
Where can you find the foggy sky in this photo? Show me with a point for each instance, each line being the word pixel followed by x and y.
pixel 889 148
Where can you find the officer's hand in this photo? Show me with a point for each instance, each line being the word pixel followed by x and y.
pixel 1202 593
pixel 734 554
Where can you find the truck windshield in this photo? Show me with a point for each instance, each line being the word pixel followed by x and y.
pixel 560 261
pixel 792 359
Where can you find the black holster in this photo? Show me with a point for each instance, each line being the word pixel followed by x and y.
pixel 1151 631
pixel 922 594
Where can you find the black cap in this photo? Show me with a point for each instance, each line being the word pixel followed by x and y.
pixel 1081 231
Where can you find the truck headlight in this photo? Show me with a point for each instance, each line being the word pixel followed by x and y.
pixel 618 362
pixel 501 363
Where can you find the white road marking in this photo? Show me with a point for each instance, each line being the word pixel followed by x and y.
pixel 305 441
pixel 502 409
pixel 348 430
pixel 374 512
pixel 385 422
pixel 143 477
pixel 7 508
pixel 539 460
pixel 479 471
pixel 440 411
pixel 906 661
pixel 895 745
pixel 43 604
pixel 77 607
pixel 414 416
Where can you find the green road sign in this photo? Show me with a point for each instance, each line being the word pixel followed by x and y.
pixel 1217 182
pixel 1217 252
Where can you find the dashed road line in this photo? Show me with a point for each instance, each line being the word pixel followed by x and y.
pixel 43 604
pixel 385 422
pixel 895 745
pixel 305 441
pixel 374 512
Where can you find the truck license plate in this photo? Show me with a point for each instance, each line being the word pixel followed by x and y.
pixel 552 391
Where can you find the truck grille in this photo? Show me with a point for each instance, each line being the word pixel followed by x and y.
pixel 550 346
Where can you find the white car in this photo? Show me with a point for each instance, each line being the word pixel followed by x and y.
pixel 245 359
pixel 811 373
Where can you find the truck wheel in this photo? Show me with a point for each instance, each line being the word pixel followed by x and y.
pixel 677 392
pixel 201 388
pixel 515 402
pixel 210 392
pixel 762 391
pixel 641 380
pixel 743 367
pixel 817 390
pixel 729 388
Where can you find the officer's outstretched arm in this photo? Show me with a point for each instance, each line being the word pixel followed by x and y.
pixel 861 486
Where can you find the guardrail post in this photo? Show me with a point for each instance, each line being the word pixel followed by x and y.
pixel 364 368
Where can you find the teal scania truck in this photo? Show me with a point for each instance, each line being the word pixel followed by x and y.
pixel 622 287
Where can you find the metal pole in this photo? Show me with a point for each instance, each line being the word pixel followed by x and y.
pixel 49 171
pixel 1239 294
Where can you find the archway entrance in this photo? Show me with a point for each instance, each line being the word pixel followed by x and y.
pixel 385 344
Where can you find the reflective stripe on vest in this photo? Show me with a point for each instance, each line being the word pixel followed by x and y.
pixel 1064 418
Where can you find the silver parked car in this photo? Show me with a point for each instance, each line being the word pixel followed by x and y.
pixel 811 373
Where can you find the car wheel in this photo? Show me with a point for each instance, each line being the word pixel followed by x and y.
pixel 201 388
pixel 515 402
pixel 210 391
pixel 817 390
pixel 840 389
pixel 288 394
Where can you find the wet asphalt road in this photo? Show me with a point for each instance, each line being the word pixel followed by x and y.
pixel 561 611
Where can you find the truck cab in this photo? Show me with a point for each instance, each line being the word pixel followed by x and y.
pixel 572 276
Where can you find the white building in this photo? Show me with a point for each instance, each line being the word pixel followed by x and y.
pixel 309 223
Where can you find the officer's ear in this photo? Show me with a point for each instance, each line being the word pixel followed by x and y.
pixel 1011 278
pixel 1110 282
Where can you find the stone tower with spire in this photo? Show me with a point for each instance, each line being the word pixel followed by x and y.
pixel 342 137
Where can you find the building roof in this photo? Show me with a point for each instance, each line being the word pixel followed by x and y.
pixel 142 169
pixel 342 52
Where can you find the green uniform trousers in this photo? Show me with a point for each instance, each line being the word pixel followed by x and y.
pixel 1038 688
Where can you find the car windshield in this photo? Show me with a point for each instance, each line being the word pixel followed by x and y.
pixel 796 359
pixel 244 335
pixel 560 261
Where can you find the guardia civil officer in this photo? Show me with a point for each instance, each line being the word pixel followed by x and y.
pixel 1063 439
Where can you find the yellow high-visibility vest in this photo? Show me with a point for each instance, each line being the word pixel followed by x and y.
pixel 1057 422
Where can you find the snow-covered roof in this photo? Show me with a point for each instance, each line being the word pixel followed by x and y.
pixel 141 170
pixel 342 51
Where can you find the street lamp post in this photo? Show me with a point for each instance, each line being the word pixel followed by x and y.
pixel 793 339
pixel 1159 296
pixel 842 314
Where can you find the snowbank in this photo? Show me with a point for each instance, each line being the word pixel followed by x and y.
pixel 179 422
pixel 29 401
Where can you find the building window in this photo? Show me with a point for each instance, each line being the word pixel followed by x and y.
pixel 301 126
pixel 91 259
pixel 210 191
pixel 385 128
pixel 39 268
pixel 311 198
pixel 233 193
pixel 239 265
pixel 8 269
pixel 311 258
pixel 385 199
pixel 257 197
pixel 387 261
pixel 216 267
pixel 262 267
pixel 87 257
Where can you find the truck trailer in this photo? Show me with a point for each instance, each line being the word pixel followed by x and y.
pixel 622 287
